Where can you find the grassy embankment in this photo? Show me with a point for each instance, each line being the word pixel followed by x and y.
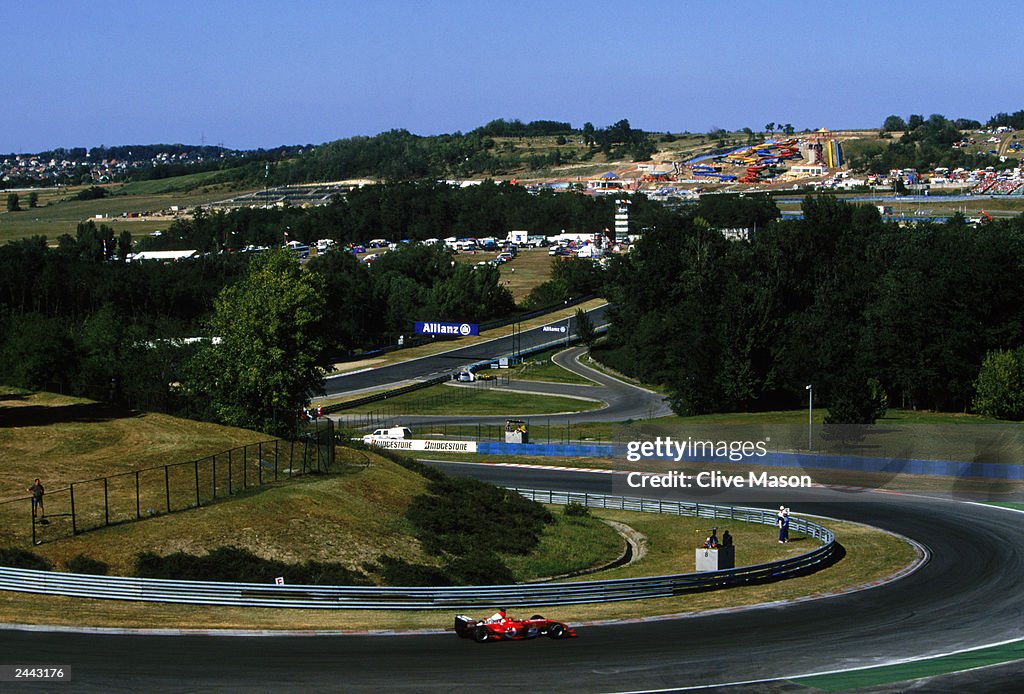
pixel 480 398
pixel 521 274
pixel 541 367
pixel 351 518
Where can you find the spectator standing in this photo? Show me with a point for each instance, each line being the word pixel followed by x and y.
pixel 712 541
pixel 783 520
pixel 37 498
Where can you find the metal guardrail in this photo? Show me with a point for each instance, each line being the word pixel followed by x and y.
pixel 458 597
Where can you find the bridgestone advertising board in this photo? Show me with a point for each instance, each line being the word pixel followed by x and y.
pixel 424 445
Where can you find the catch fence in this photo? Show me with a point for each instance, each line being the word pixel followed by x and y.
pixel 134 495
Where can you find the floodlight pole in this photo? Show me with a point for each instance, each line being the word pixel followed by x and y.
pixel 810 415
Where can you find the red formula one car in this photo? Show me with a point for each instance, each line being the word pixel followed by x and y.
pixel 506 628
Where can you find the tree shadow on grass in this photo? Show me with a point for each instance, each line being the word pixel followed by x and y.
pixel 40 415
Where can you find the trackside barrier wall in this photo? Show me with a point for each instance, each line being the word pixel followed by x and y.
pixel 942 468
pixel 459 597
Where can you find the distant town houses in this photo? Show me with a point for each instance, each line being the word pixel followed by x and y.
pixel 80 166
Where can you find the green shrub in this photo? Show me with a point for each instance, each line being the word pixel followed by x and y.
pixel 480 569
pixel 618 357
pixel 431 473
pixel 91 193
pixel 81 564
pixel 236 565
pixel 398 572
pixel 461 516
pixel 546 294
pixel 575 508
pixel 23 559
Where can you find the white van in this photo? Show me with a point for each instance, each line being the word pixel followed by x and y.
pixel 391 433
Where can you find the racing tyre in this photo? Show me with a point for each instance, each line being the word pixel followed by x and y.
pixel 556 631
pixel 481 634
pixel 537 616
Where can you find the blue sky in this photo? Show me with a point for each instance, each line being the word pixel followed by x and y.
pixel 259 74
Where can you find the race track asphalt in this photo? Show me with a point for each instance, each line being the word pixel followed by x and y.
pixel 457 358
pixel 967 594
pixel 623 401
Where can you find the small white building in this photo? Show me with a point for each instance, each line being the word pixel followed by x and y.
pixel 167 256
pixel 809 170
pixel 520 238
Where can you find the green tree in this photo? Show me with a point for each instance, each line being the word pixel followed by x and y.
pixel 33 199
pixel 1000 385
pixel 12 203
pixel 265 365
pixel 585 328
pixel 894 123
pixel 124 245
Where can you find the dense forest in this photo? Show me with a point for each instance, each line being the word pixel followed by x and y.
pixel 841 299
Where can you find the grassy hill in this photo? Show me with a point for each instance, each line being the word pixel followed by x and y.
pixel 63 439
pixel 59 213
pixel 564 157
pixel 351 517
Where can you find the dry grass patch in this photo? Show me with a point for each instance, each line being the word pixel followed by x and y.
pixel 63 439
pixel 349 519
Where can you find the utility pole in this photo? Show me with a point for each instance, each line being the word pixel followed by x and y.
pixel 810 416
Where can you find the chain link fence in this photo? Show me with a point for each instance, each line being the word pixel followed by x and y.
pixel 130 496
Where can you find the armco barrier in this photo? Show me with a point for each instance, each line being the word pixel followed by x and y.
pixel 461 597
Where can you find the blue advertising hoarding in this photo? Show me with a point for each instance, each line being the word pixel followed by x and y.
pixel 440 328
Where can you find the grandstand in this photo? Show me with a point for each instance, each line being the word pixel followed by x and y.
pixel 999 186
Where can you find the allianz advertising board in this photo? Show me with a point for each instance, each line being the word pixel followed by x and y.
pixel 439 328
